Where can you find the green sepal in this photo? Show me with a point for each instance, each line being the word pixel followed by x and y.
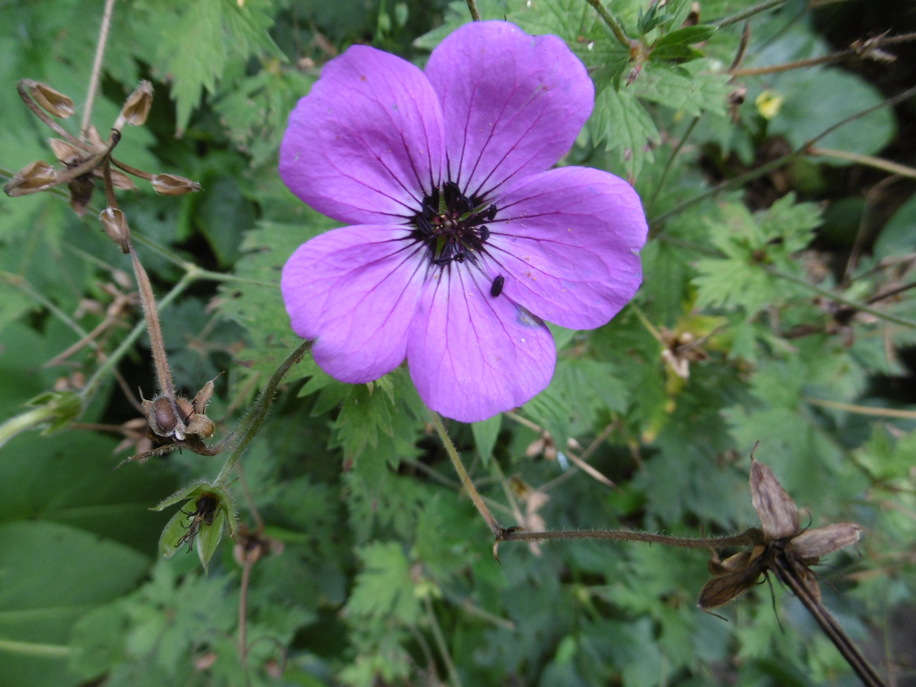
pixel 205 513
pixel 209 536
pixel 687 35
pixel 62 408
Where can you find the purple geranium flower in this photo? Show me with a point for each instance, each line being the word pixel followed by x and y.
pixel 462 239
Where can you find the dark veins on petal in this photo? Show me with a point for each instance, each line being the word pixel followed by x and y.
pixel 451 226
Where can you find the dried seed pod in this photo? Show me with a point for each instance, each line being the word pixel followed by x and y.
pixel 164 416
pixel 51 100
pixel 137 106
pixel 37 176
pixel 777 511
pixel 115 224
pixel 173 185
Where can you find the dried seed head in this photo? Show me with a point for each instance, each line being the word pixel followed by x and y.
pixel 775 508
pixel 137 107
pixel 115 224
pixel 810 545
pixel 166 417
pixel 173 185
pixel 51 100
pixel 37 176
pixel 66 152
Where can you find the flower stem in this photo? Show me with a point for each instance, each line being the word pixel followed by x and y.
pixel 97 65
pixel 466 482
pixel 258 412
pixel 614 25
pixel 472 8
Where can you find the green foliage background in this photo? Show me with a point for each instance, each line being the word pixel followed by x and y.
pixel 380 572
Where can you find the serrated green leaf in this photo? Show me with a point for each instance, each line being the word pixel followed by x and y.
pixel 625 127
pixel 384 590
pixel 692 90
pixel 687 35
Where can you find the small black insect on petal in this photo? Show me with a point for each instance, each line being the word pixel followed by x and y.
pixel 497 287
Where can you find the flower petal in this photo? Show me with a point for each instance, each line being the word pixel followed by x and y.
pixel 356 297
pixel 366 141
pixel 513 104
pixel 472 355
pixel 567 242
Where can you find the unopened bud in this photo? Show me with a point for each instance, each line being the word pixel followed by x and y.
pixel 51 100
pixel 35 177
pixel 137 107
pixel 173 185
pixel 115 224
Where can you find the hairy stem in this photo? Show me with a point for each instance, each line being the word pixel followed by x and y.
pixel 97 65
pixel 613 25
pixel 746 538
pixel 466 482
pixel 256 415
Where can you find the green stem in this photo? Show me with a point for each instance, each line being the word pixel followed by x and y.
pixel 841 299
pixel 674 153
pixel 749 12
pixel 465 479
pixel 34 649
pixel 256 415
pixel 614 25
pixel 439 637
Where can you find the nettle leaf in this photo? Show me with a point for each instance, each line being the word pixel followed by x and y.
pixel 377 422
pixel 257 109
pixel 621 121
pixel 207 42
pixel 692 89
pixel 384 590
pixel 750 244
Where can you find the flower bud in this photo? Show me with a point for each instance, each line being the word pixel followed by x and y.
pixel 35 177
pixel 173 185
pixel 51 100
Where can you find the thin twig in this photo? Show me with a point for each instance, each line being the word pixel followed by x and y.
pixel 866 160
pixel 739 181
pixel 747 538
pixel 862 410
pixel 789 66
pixel 97 65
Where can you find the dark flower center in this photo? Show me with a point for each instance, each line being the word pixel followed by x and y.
pixel 451 225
